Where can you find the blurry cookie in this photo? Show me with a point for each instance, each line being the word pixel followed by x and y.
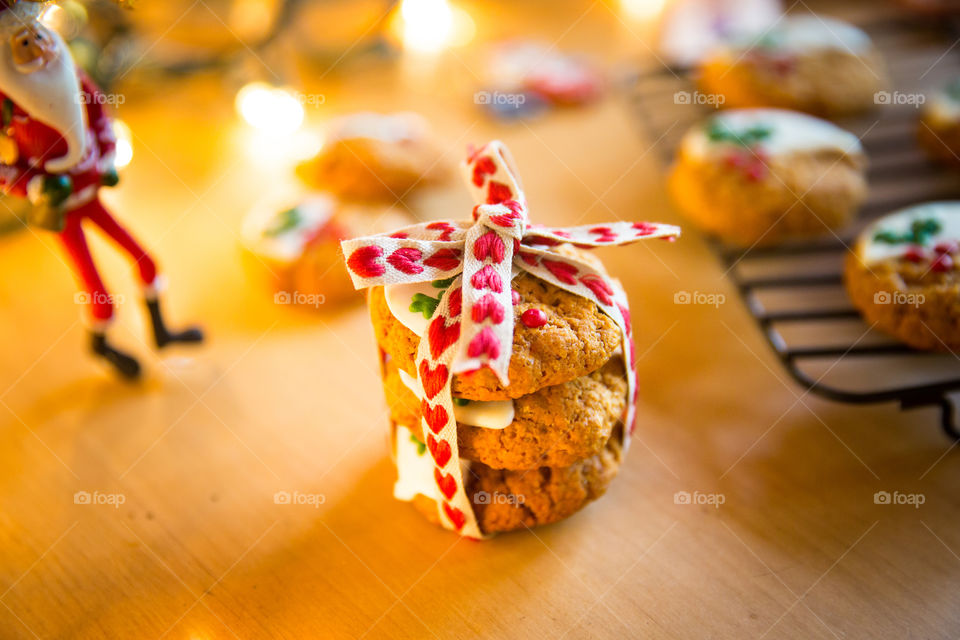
pixel 939 129
pixel 570 338
pixel 903 275
pixel 297 248
pixel 766 175
pixel 553 427
pixel 808 63
pixel 372 156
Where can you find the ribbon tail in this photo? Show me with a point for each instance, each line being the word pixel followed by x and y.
pixel 600 235
pixel 584 280
pixel 434 357
pixel 377 260
pixel 486 338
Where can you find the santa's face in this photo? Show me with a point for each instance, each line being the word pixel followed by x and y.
pixel 37 72
pixel 32 48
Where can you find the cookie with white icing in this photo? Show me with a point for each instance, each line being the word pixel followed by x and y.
pixel 939 129
pixel 902 275
pixel 373 156
pixel 294 244
pixel 761 176
pixel 810 63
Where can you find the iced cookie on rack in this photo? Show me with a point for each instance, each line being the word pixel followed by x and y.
pixel 761 176
pixel 295 247
pixel 507 357
pixel 809 63
pixel 902 274
pixel 373 156
pixel 939 130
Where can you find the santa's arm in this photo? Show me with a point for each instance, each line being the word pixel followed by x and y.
pixel 97 116
pixel 15 172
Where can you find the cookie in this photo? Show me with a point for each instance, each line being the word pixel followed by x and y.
pixel 902 275
pixel 809 63
pixel 505 500
pixel 688 30
pixel 554 427
pixel 939 129
pixel 761 176
pixel 295 246
pixel 372 156
pixel 574 339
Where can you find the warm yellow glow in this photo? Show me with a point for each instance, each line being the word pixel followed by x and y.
pixel 642 9
pixel 428 25
pixel 52 17
pixel 271 109
pixel 124 152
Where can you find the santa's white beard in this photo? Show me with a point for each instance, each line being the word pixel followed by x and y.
pixel 52 96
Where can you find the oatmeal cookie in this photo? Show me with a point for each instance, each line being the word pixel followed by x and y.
pixel 575 339
pixel 554 427
pixel 761 176
pixel 808 63
pixel 372 156
pixel 510 500
pixel 939 127
pixel 902 275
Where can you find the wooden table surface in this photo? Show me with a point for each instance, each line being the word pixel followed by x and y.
pixel 283 399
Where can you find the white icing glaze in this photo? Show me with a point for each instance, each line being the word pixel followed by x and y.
pixel 313 213
pixel 399 297
pixel 414 469
pixel 791 131
pixel 492 414
pixel 689 29
pixel 392 127
pixel 800 34
pixel 947 213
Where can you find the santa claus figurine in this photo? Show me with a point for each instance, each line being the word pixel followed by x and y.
pixel 57 150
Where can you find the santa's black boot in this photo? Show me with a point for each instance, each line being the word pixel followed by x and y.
pixel 162 336
pixel 126 366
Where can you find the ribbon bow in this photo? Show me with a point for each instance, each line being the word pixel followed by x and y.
pixel 472 326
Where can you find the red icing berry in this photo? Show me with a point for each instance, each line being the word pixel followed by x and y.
pixel 914 254
pixel 515 297
pixel 942 263
pixel 947 246
pixel 534 318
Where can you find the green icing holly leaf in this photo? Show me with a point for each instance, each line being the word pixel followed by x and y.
pixel 427 305
pixel 921 230
pixel 422 303
pixel 285 221
pixel 443 284
pixel 461 402
pixel 421 447
pixel 771 40
pixel 720 131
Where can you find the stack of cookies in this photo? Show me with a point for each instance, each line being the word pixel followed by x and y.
pixel 535 451
pixel 507 356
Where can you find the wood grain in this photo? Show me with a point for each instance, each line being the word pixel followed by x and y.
pixel 288 400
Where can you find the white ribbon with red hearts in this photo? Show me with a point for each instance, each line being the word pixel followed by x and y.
pixel 472 326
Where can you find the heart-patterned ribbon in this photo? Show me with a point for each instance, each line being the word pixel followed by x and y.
pixel 472 326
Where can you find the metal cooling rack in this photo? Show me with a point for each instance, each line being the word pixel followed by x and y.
pixel 795 291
